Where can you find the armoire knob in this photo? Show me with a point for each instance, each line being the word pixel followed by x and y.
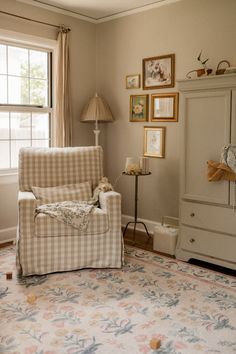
pixel 192 215
pixel 192 240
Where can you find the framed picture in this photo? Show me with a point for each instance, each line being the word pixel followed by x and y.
pixel 164 107
pixel 138 108
pixel 159 72
pixel 132 81
pixel 154 141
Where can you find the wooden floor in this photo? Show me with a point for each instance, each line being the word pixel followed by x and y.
pixel 141 240
pixel 5 244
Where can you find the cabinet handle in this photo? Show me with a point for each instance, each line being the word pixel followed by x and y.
pixel 192 240
pixel 192 215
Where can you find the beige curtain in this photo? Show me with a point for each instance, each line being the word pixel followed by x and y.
pixel 62 127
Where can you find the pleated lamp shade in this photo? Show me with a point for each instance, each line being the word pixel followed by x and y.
pixel 96 110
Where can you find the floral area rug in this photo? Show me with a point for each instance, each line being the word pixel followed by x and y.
pixel 190 309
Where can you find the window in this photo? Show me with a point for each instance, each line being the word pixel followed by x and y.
pixel 25 101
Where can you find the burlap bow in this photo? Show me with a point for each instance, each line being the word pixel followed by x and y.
pixel 218 171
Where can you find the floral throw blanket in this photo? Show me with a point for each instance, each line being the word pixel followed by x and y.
pixel 73 213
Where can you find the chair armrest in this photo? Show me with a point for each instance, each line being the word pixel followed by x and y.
pixel 111 203
pixel 26 197
pixel 27 204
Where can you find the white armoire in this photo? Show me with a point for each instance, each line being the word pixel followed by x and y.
pixel 207 215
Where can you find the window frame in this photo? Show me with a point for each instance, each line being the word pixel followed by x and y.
pixel 18 108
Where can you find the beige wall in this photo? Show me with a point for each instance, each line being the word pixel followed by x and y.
pixel 82 54
pixel 183 28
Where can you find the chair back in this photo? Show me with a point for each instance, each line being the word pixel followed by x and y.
pixel 49 167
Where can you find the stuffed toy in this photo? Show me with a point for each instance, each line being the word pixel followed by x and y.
pixel 103 186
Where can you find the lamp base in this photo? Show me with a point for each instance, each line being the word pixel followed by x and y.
pixel 96 133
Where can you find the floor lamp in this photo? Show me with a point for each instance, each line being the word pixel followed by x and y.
pixel 96 110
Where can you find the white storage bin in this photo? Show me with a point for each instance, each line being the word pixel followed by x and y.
pixel 165 238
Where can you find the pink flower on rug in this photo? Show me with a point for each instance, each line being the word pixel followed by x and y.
pixel 48 315
pixel 123 304
pixel 67 308
pixel 59 324
pixel 144 348
pixel 141 338
pixel 61 332
pixel 180 345
pixel 149 324
pixel 116 344
pixel 130 313
pixel 112 314
pixel 159 336
pixel 31 350
pixel 93 275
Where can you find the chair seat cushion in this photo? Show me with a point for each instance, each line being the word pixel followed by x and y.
pixel 46 226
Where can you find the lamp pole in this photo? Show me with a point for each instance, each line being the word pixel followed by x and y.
pixel 96 132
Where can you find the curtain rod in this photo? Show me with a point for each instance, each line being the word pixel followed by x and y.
pixel 60 27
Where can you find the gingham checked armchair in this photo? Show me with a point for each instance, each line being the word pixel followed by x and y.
pixel 45 245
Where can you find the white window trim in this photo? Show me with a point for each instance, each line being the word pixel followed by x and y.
pixel 33 42
pixel 29 40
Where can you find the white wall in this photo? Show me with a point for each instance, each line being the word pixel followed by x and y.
pixel 183 28
pixel 82 54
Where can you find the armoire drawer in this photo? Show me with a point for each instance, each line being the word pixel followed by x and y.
pixel 208 243
pixel 208 217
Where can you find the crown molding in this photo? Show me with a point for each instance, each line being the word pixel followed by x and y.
pixel 94 20
pixel 155 4
pixel 59 10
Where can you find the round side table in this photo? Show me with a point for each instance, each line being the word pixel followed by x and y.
pixel 135 222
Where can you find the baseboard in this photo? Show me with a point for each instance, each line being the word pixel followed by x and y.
pixel 7 235
pixel 149 223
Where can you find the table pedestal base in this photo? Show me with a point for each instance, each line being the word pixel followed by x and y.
pixel 135 223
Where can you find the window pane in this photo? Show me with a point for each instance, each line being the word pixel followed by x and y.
pixel 18 90
pixel 40 143
pixel 20 125
pixel 4 160
pixel 3 59
pixel 40 126
pixel 4 125
pixel 3 89
pixel 18 61
pixel 38 92
pixel 15 147
pixel 23 81
pixel 38 64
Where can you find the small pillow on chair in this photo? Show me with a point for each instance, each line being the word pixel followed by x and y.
pixel 67 192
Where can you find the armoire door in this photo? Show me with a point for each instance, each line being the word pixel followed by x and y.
pixel 206 131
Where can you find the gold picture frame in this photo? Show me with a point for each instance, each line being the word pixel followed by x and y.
pixel 159 72
pixel 138 111
pixel 154 142
pixel 165 107
pixel 132 81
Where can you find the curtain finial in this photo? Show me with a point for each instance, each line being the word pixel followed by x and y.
pixel 64 29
